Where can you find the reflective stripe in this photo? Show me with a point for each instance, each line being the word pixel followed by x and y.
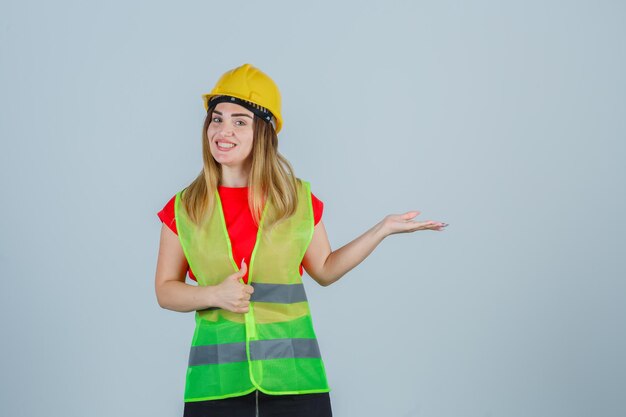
pixel 275 293
pixel 215 354
pixel 278 293
pixel 259 350
pixel 284 348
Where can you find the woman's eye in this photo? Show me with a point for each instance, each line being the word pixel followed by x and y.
pixel 217 119
pixel 240 123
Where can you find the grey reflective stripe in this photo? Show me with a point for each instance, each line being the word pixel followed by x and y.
pixel 274 293
pixel 284 348
pixel 278 293
pixel 259 350
pixel 216 354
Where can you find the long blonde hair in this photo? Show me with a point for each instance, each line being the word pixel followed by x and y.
pixel 271 177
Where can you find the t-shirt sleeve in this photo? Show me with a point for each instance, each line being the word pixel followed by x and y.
pixel 167 215
pixel 318 208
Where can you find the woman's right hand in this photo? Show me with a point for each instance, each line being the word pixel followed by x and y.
pixel 231 294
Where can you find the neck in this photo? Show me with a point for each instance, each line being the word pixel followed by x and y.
pixel 235 176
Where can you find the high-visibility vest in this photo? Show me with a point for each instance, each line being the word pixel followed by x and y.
pixel 272 347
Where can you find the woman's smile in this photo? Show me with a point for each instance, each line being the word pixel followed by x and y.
pixel 224 145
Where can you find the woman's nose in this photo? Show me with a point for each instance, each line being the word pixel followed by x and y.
pixel 226 131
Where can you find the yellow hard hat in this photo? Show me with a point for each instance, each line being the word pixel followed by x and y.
pixel 250 84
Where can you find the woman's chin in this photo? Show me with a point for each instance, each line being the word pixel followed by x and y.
pixel 229 162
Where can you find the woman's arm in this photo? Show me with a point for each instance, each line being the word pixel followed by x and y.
pixel 174 294
pixel 326 266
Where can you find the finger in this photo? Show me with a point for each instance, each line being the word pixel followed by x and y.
pixel 249 289
pixel 409 215
pixel 414 225
pixel 241 273
pixel 433 225
pixel 438 225
pixel 244 267
pixel 240 309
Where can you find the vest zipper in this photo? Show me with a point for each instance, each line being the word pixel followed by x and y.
pixel 257 403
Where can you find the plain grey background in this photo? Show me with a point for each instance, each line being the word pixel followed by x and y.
pixel 504 119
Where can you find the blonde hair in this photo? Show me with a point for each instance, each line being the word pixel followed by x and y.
pixel 271 177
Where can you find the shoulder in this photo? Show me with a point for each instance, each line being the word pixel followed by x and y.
pixel 303 184
pixel 167 214
pixel 318 205
pixel 316 201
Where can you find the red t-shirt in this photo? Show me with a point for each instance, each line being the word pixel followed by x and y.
pixel 239 223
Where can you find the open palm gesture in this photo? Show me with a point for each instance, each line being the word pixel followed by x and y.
pixel 402 223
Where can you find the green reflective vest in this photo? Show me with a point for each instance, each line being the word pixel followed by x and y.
pixel 273 347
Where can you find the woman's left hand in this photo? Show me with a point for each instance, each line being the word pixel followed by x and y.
pixel 402 223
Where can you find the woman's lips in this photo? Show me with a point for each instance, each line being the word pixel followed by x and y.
pixel 224 149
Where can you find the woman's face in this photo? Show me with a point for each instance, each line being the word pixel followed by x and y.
pixel 231 124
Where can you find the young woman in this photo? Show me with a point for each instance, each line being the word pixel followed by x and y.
pixel 244 229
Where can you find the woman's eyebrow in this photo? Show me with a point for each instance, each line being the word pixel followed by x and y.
pixel 234 114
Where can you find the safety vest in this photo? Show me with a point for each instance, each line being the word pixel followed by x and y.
pixel 272 347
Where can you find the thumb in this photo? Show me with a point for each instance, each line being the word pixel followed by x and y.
pixel 410 214
pixel 244 267
pixel 240 273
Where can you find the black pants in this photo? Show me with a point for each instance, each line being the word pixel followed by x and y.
pixel 301 405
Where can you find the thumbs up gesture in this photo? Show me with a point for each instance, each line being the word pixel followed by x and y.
pixel 232 294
